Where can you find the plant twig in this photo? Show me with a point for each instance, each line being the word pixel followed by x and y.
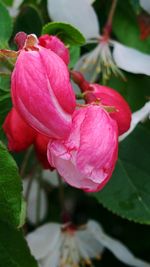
pixel 108 25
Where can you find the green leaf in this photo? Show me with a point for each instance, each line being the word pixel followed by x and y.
pixel 29 20
pixel 66 32
pixel 11 205
pixel 5 26
pixel 14 251
pixel 74 55
pixel 7 2
pixel 128 191
pixel 125 21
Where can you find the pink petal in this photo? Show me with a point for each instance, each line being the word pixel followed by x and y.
pixel 42 92
pixel 87 158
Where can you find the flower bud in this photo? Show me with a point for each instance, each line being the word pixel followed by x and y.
pixel 87 158
pixel 110 97
pixel 42 92
pixel 19 134
pixel 56 45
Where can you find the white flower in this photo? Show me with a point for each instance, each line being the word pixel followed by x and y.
pixel 79 13
pixel 130 59
pixel 101 59
pixel 139 116
pixel 55 245
pixel 98 60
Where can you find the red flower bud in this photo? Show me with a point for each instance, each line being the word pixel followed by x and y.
pixel 56 45
pixel 110 97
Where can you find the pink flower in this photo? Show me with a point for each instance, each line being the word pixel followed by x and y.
pixel 107 97
pixel 41 90
pixel 20 136
pixel 87 158
pixel 110 97
pixel 56 45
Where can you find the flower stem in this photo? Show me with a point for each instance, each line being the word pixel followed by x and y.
pixel 108 26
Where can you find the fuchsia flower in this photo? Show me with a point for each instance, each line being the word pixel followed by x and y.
pixel 20 136
pixel 41 90
pixel 56 45
pixel 110 97
pixel 87 158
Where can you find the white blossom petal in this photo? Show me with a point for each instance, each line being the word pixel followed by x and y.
pixel 116 247
pixel 89 247
pixel 145 4
pixel 44 239
pixel 76 12
pixel 90 1
pixel 69 250
pixel 131 60
pixel 52 259
pixel 32 201
pixel 139 116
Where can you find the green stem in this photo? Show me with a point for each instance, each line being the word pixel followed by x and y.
pixel 112 12
pixel 108 25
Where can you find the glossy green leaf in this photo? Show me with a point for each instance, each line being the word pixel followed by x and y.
pixel 14 251
pixel 125 27
pixel 5 26
pixel 66 32
pixel 11 203
pixel 29 20
pixel 128 191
